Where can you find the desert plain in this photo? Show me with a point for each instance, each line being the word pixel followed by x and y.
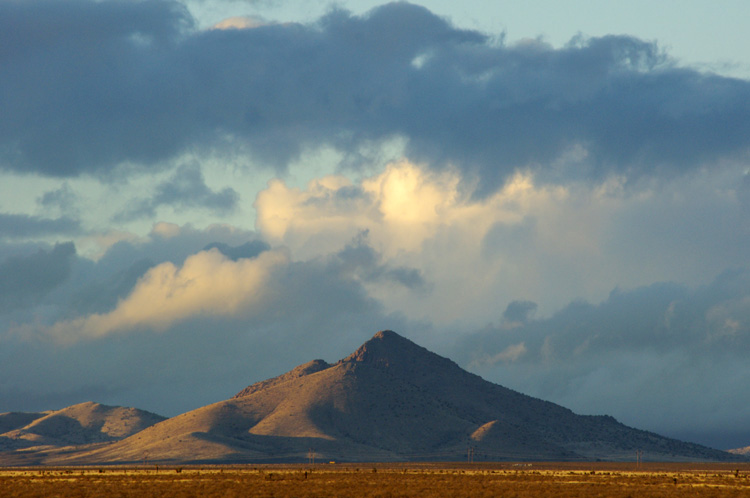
pixel 507 479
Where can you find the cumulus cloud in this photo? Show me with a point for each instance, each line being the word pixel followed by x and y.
pixel 241 22
pixel 24 225
pixel 185 189
pixel 63 199
pixel 519 312
pixel 124 292
pixel 168 242
pixel 413 219
pixel 148 86
pixel 99 288
pixel 662 345
pixel 246 250
pixel 490 223
pixel 400 208
pixel 207 284
pixel 172 336
pixel 509 354
pixel 25 279
pixel 549 244
pixel 44 285
pixel 361 262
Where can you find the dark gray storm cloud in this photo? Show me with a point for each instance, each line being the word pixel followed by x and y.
pixel 359 260
pixel 62 198
pixel 519 311
pixel 247 250
pixel 25 279
pixel 81 83
pixel 89 85
pixel 743 192
pixel 98 288
pixel 24 225
pixel 43 284
pixel 664 356
pixel 185 189
pixel 175 247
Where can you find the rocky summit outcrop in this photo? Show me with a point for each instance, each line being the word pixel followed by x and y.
pixel 390 400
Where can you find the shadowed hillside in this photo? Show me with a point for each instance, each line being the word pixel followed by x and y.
pixel 80 426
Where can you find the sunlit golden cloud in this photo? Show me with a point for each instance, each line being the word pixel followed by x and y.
pixel 402 207
pixel 207 284
pixel 238 22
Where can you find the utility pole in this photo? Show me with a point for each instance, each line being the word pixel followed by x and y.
pixel 470 455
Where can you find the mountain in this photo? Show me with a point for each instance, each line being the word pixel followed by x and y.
pixel 15 420
pixel 741 451
pixel 81 425
pixel 389 400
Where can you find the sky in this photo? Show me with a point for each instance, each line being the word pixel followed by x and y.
pixel 198 196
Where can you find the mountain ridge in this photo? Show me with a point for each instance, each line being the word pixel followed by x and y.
pixel 26 437
pixel 389 400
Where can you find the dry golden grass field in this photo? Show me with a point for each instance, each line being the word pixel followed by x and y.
pixel 385 480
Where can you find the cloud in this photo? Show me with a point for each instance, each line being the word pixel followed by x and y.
pixel 363 263
pixel 548 244
pixel 743 193
pixel 24 225
pixel 168 242
pixel 94 111
pixel 119 83
pixel 246 250
pixel 400 208
pixel 532 183
pixel 63 198
pixel 509 354
pixel 663 345
pixel 100 293
pixel 207 284
pixel 172 336
pixel 185 189
pixel 519 312
pixel 218 282
pixel 241 22
pixel 25 279
pixel 44 285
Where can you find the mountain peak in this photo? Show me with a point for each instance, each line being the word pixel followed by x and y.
pixel 389 400
pixel 386 335
pixel 386 348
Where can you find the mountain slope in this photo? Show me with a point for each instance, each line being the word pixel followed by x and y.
pixel 389 400
pixel 80 424
pixel 15 420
